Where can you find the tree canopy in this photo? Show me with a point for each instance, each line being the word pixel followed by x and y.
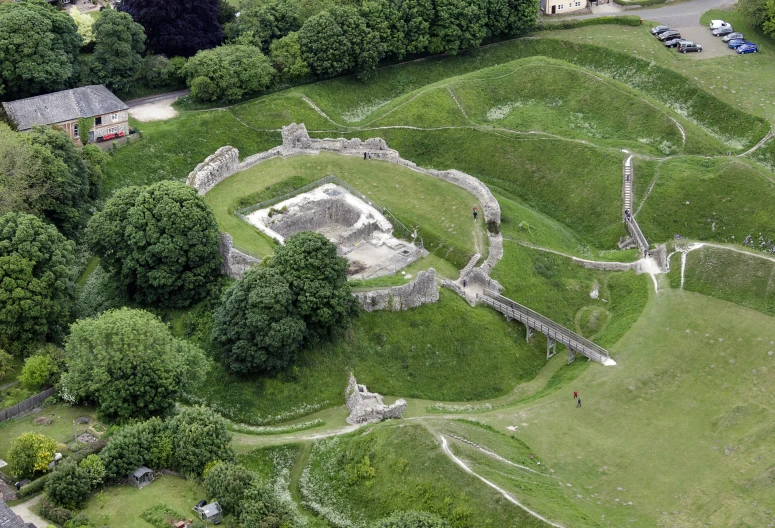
pixel 20 173
pixel 317 278
pixel 255 325
pixel 128 363
pixel 199 436
pixel 177 27
pixel 269 22
pixel 118 42
pixel 38 49
pixel 228 73
pixel 160 241
pixel 30 453
pixel 36 281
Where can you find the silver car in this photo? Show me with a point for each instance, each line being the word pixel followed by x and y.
pixel 733 36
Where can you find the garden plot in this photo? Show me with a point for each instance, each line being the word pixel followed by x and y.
pixel 361 233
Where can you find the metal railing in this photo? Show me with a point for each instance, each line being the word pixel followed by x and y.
pixel 543 324
pixel 399 229
pixel 635 231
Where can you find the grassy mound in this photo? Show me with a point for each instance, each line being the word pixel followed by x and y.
pixel 416 353
pixel 440 209
pixel 743 279
pixel 721 200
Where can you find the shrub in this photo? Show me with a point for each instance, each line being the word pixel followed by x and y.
pixel 263 508
pixel 69 485
pixel 227 483
pixel 199 435
pixel 228 73
pixel 31 453
pixel 34 487
pixel 6 363
pixel 80 521
pixel 54 513
pixel 130 448
pixel 94 468
pixel 38 372
pixel 160 516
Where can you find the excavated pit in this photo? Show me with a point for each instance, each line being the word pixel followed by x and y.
pixel 360 232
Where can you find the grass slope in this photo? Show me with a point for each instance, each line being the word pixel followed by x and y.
pixel 679 432
pixel 721 200
pixel 416 353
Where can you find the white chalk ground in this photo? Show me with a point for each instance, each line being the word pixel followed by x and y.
pixel 156 111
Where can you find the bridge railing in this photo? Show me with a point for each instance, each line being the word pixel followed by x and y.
pixel 635 231
pixel 546 326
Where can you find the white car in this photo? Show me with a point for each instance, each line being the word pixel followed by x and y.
pixel 716 24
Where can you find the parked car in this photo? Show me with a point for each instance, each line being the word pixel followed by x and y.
pixel 734 44
pixel 672 43
pixel 659 29
pixel 720 32
pixel 747 48
pixel 669 35
pixel 715 24
pixel 688 47
pixel 733 36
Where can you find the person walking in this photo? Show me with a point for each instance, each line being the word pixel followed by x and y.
pixel 575 395
pixel 475 213
pixel 364 155
pixel 578 404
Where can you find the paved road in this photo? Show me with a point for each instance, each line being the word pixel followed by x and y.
pixel 681 15
pixel 156 98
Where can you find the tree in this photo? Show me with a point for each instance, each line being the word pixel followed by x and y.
pixel 161 242
pixel 31 453
pixel 94 468
pixel 118 42
pixel 228 73
pixel 227 482
pixel 177 27
pixel 286 58
pixel 510 17
pixel 38 46
pixel 20 173
pixel 69 485
pixel 38 371
pixel 318 281
pixel 199 436
pixel 412 519
pixel 128 363
pixel 339 41
pixel 84 24
pixel 255 325
pixel 64 176
pixel 459 24
pixel 36 281
pixel 267 23
pixel 131 447
pixel 94 158
pixel 755 11
pixel 227 12
pixel 263 508
pixel 768 25
pixel 6 363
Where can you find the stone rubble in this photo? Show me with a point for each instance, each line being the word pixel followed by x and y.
pixel 422 290
pixel 368 407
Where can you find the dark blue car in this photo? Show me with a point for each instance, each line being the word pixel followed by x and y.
pixel 747 48
pixel 736 43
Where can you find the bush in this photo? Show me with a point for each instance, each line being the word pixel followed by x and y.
pixel 199 436
pixel 130 448
pixel 54 513
pixel 227 483
pixel 69 485
pixel 228 73
pixel 160 516
pixel 31 453
pixel 412 519
pixel 80 521
pixel 34 487
pixel 39 371
pixel 626 20
pixel 94 468
pixel 6 363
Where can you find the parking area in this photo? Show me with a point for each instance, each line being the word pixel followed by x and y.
pixel 711 46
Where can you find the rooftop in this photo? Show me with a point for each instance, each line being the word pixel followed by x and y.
pixel 67 105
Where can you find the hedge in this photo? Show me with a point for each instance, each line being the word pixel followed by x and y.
pixel 627 20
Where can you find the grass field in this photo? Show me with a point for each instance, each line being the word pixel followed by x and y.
pixel 440 209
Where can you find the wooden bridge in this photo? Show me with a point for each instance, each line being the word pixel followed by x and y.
pixel 554 332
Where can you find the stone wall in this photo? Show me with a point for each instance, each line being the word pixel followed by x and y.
pixel 235 262
pixel 214 169
pixel 422 290
pixel 366 407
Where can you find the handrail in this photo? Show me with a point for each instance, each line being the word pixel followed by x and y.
pixel 544 325
pixel 640 238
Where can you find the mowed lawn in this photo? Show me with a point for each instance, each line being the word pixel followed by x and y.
pixel 122 505
pixel 440 209
pixel 679 433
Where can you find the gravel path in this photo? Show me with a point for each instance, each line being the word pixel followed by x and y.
pixel 23 511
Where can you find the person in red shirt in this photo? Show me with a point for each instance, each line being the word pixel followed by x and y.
pixel 575 394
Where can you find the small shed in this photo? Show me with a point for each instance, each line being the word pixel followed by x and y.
pixel 141 477
pixel 210 512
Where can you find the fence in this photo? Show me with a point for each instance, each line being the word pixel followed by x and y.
pixel 399 229
pixel 26 405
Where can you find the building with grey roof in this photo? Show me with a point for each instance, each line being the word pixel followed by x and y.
pixel 65 108
pixel 8 519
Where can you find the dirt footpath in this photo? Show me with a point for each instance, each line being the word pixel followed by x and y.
pixel 23 511
pixel 155 111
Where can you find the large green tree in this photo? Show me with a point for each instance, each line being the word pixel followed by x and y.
pixel 255 325
pixel 318 282
pixel 36 281
pixel 228 482
pixel 402 26
pixel 510 17
pixel 199 435
pixel 160 241
pixel 459 24
pixel 31 453
pixel 286 58
pixel 135 445
pixel 118 42
pixel 20 173
pixel 69 485
pixel 127 362
pixel 38 49
pixel 269 22
pixel 64 178
pixel 755 11
pixel 228 73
